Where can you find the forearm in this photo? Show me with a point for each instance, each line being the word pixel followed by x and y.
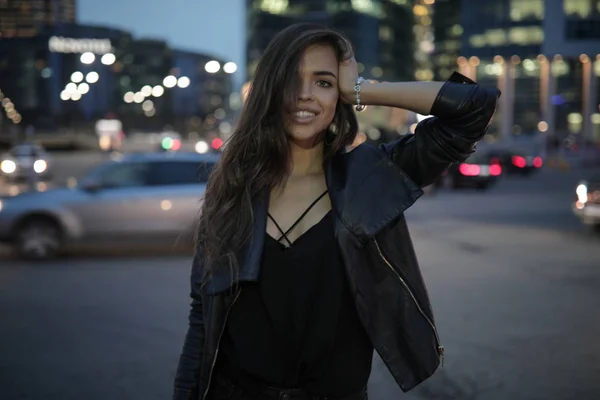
pixel 414 96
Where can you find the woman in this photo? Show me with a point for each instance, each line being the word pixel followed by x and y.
pixel 304 264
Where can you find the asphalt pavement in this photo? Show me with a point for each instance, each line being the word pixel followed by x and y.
pixel 514 281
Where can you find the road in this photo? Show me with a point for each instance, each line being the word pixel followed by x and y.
pixel 512 275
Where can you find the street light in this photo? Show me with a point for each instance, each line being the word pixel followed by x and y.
pixel 87 57
pixel 147 90
pixel 183 82
pixel 170 81
pixel 158 91
pixel 71 88
pixel 138 97
pixel 108 59
pixel 230 67
pixel 92 77
pixel 128 97
pixel 77 76
pixel 83 88
pixel 148 105
pixel 212 67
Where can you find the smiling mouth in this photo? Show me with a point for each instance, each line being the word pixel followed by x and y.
pixel 304 114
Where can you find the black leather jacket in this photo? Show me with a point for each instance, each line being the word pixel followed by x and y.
pixel 370 188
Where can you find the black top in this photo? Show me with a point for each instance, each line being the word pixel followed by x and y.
pixel 297 327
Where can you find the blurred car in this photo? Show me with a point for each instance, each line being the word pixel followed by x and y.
pixel 136 198
pixel 517 161
pixel 587 202
pixel 25 161
pixel 478 171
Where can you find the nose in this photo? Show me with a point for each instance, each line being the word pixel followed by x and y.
pixel 305 93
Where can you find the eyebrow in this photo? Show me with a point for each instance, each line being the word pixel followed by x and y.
pixel 327 73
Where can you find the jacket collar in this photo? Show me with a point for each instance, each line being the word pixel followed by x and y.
pixel 367 191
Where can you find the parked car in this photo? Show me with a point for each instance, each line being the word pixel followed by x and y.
pixel 478 171
pixel 587 202
pixel 137 198
pixel 517 161
pixel 25 161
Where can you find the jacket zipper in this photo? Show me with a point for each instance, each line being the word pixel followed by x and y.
pixel 440 348
pixel 212 368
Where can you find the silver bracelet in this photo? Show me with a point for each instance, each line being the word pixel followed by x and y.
pixel 359 107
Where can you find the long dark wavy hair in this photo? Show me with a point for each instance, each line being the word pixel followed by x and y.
pixel 257 157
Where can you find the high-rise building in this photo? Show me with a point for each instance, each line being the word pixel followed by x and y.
pixel 447 31
pixel 382 31
pixel 543 55
pixel 73 75
pixel 26 18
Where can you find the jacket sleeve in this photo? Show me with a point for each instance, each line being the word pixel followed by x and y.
pixel 462 112
pixel 190 361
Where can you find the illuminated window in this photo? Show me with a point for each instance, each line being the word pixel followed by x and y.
pixel 477 41
pixel 526 9
pixel 385 33
pixel 368 7
pixel 274 6
pixel 578 8
pixel 420 11
pixel 526 35
pixel 456 30
pixel 495 37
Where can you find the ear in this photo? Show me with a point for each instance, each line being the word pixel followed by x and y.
pixel 359 139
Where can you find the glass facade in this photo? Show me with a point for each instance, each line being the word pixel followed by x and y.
pixel 382 31
pixel 520 42
pixel 74 74
pixel 582 19
pixel 27 18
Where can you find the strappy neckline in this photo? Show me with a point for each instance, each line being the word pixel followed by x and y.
pixel 284 234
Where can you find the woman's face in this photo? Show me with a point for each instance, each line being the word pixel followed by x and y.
pixel 317 96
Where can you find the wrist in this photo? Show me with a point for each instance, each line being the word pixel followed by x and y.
pixel 367 90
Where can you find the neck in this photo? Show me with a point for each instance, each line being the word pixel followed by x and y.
pixel 307 160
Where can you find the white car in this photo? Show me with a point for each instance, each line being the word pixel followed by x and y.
pixel 587 203
pixel 25 161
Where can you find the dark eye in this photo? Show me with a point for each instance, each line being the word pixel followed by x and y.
pixel 324 83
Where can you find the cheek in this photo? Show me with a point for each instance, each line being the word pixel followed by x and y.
pixel 329 105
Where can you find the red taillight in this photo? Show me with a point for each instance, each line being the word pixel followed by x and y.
pixel 495 161
pixel 176 145
pixel 537 162
pixel 519 161
pixel 495 170
pixel 216 143
pixel 469 169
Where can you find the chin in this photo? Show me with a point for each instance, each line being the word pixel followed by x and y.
pixel 306 135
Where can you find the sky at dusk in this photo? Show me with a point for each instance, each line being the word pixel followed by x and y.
pixel 215 27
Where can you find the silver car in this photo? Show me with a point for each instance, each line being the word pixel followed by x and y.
pixel 25 161
pixel 135 199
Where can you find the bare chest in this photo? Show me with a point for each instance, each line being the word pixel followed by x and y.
pixel 295 210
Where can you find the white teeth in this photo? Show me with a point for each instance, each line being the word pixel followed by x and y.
pixel 304 114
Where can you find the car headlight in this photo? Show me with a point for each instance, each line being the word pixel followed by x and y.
pixel 40 166
pixel 581 191
pixel 8 166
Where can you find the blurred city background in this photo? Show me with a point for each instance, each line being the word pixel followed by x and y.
pixel 112 115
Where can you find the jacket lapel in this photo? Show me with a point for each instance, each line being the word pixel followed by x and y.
pixel 368 191
pixel 249 262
